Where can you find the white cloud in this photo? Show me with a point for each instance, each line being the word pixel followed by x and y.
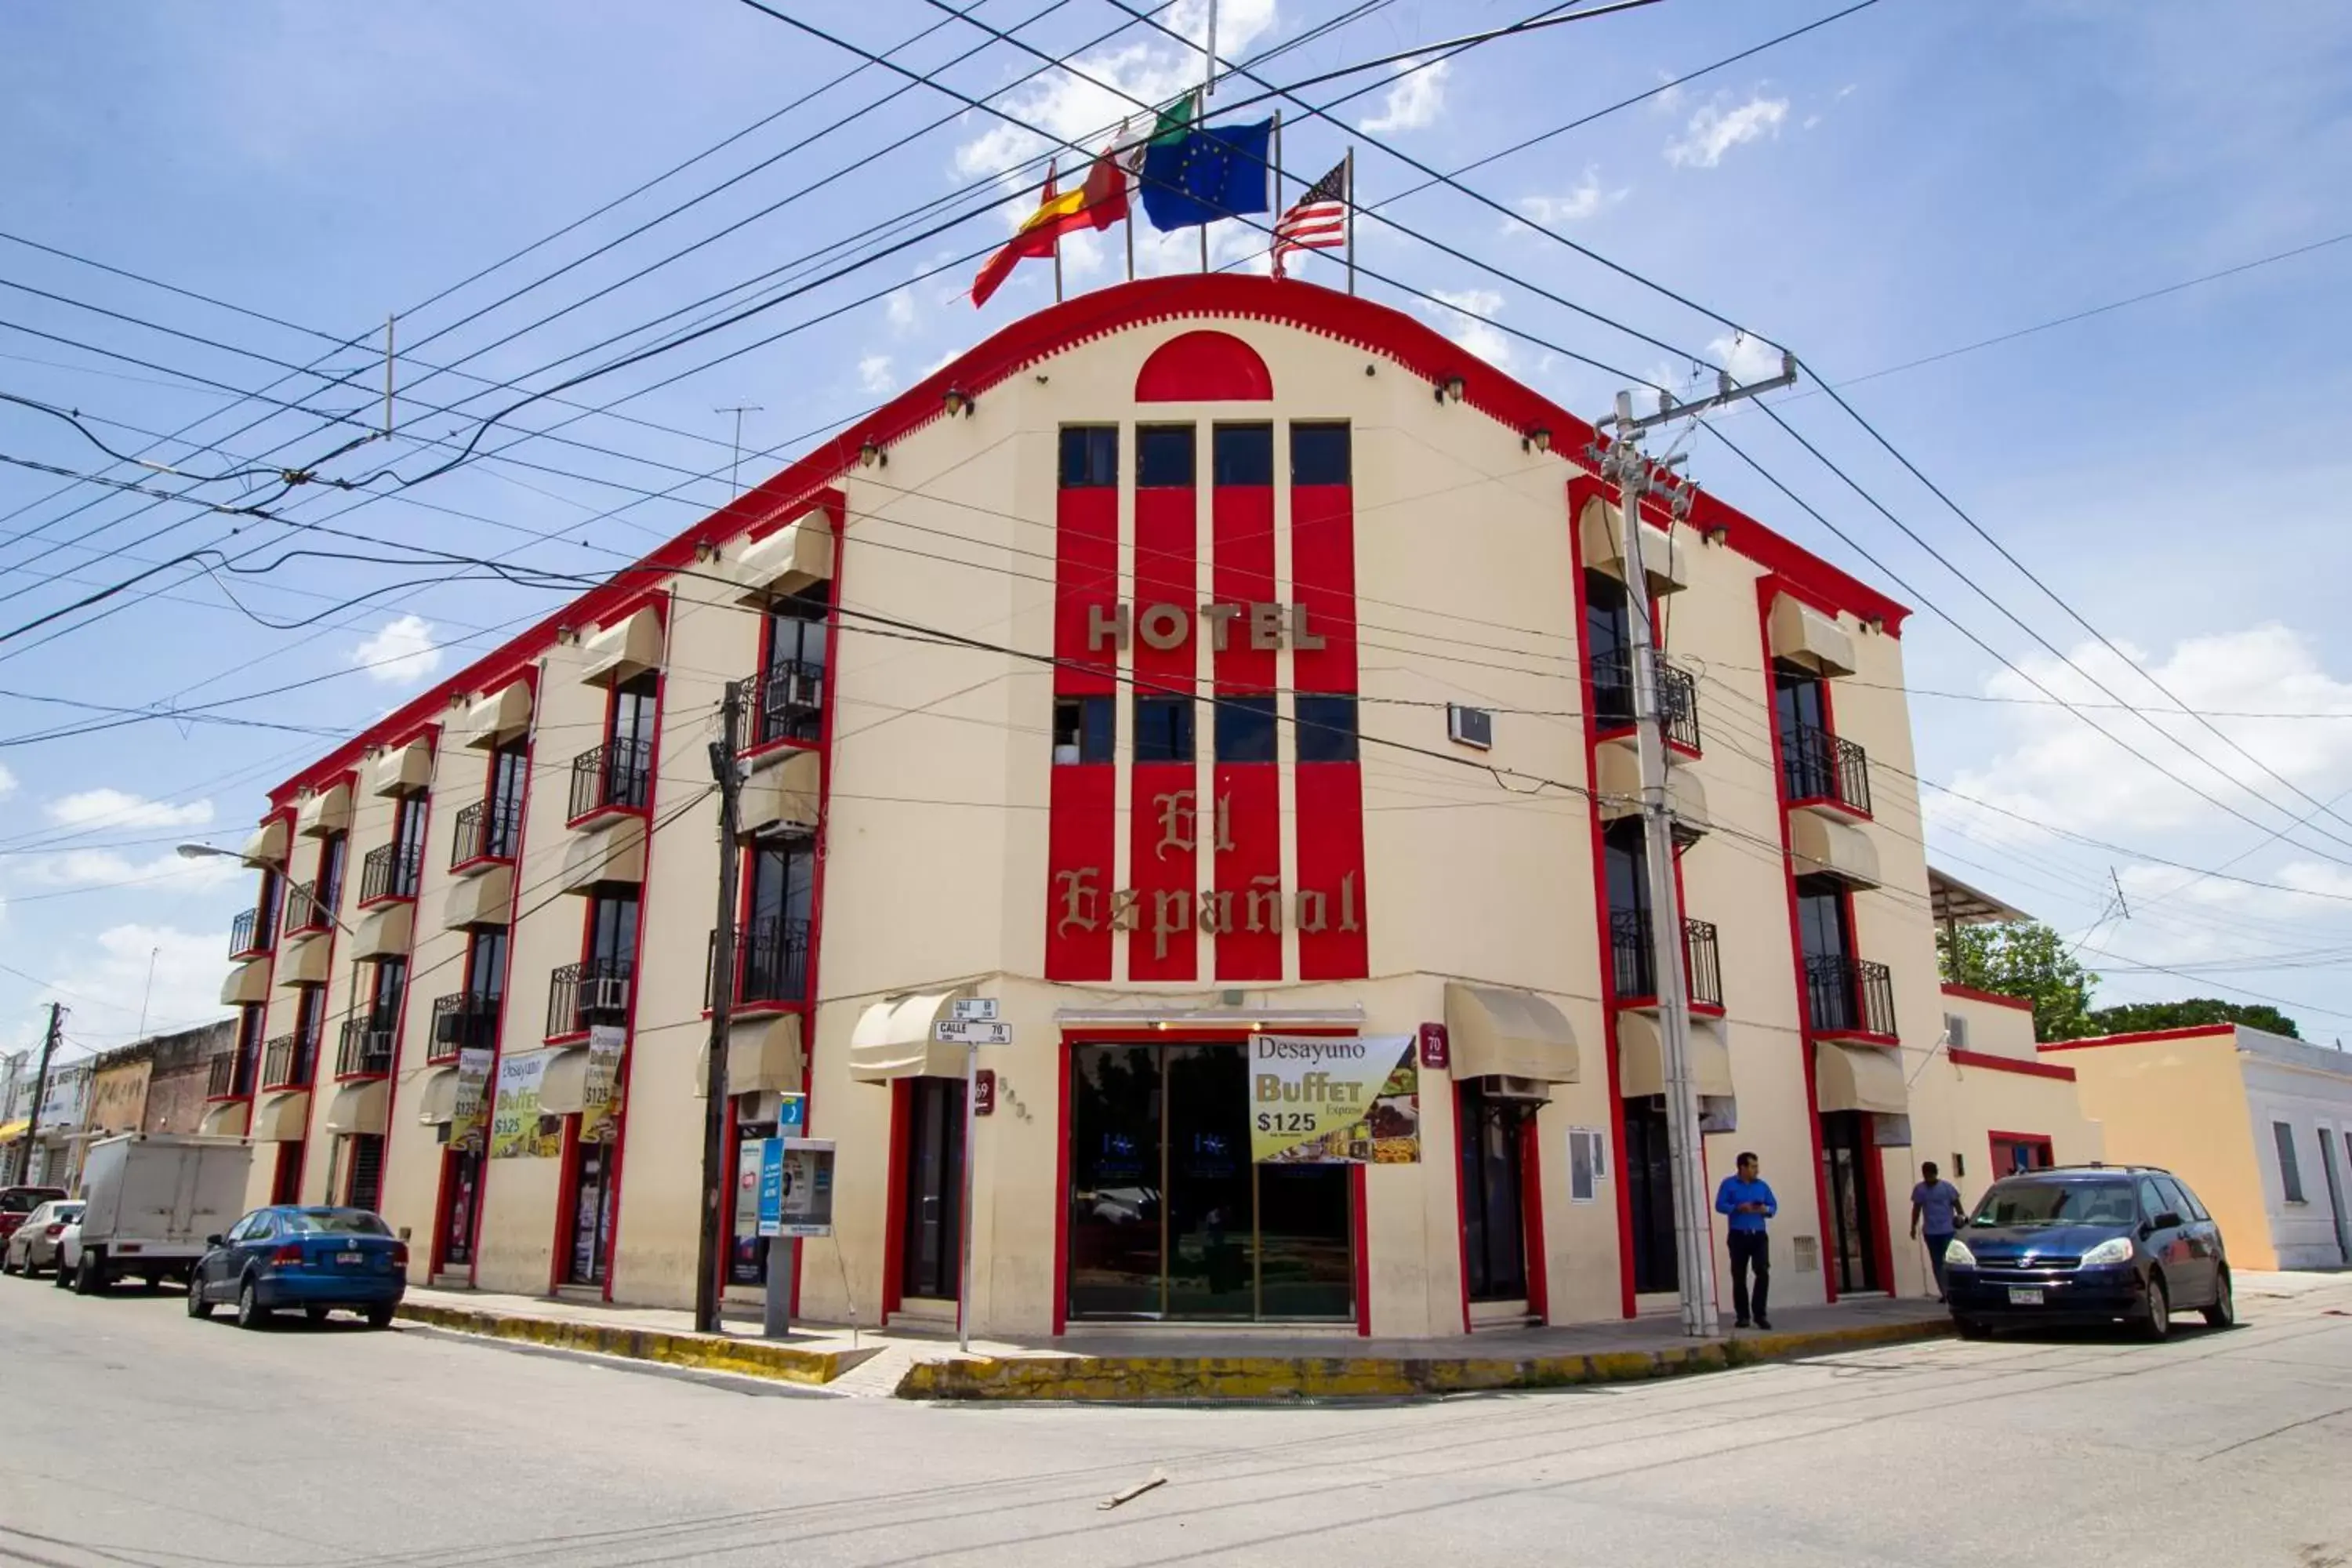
pixel 401 652
pixel 7 782
pixel 119 808
pixel 899 309
pixel 1748 358
pixel 165 872
pixel 1715 131
pixel 1413 102
pixel 108 985
pixel 873 375
pixel 1584 200
pixel 1467 320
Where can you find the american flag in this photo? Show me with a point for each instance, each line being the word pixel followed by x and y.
pixel 1318 221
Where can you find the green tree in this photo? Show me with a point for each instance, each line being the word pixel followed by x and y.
pixel 2130 1017
pixel 2027 959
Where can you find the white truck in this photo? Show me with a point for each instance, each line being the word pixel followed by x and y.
pixel 152 1200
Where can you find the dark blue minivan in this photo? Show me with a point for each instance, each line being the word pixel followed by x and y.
pixel 2088 1244
pixel 315 1258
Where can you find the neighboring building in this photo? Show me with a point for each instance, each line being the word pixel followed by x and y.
pixel 2259 1124
pixel 1206 658
pixel 56 1137
pixel 160 1083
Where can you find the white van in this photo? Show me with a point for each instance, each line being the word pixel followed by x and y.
pixel 153 1199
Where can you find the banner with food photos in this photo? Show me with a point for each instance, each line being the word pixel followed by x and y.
pixel 1323 1099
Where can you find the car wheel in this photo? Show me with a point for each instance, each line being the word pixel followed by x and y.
pixel 1972 1328
pixel 63 1277
pixel 250 1312
pixel 197 1306
pixel 7 1265
pixel 316 1314
pixel 89 1280
pixel 2223 1313
pixel 380 1315
pixel 2158 1324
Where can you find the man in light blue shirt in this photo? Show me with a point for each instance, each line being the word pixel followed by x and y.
pixel 1935 1208
pixel 1750 1205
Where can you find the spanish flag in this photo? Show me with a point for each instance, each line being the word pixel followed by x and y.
pixel 1099 202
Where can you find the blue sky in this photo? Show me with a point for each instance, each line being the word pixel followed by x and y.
pixel 1906 181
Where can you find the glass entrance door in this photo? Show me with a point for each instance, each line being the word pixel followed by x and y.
pixel 1845 1148
pixel 1649 1187
pixel 931 1256
pixel 1495 1242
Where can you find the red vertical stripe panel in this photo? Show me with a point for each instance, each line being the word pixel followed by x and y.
pixel 1082 826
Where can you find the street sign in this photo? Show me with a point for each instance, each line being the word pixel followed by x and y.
pixel 975 1009
pixel 791 1114
pixel 948 1031
pixel 771 1186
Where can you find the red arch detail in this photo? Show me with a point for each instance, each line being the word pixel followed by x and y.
pixel 1204 367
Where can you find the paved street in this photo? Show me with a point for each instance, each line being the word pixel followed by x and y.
pixel 134 1436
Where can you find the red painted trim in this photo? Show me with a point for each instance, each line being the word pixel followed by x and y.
pixel 2008 1064
pixel 1061 1192
pixel 836 504
pixel 1461 1215
pixel 1881 1220
pixel 506 977
pixel 894 1198
pixel 1994 997
pixel 2194 1031
pixel 567 1203
pixel 1360 1223
pixel 1531 1219
pixel 2039 1140
pixel 1203 366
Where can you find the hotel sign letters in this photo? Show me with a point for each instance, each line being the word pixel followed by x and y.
pixel 1165 626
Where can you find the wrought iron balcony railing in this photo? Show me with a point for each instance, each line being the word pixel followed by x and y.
pixel 618 773
pixel 229 1076
pixel 289 1061
pixel 1818 765
pixel 390 872
pixel 786 701
pixel 770 963
pixel 468 1020
pixel 252 932
pixel 486 830
pixel 1849 996
pixel 304 911
pixel 594 992
pixel 1613 698
pixel 367 1045
pixel 1634 965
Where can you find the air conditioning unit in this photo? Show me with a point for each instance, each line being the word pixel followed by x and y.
pixel 607 994
pixel 1955 1032
pixel 799 690
pixel 1526 1090
pixel 449 1028
pixel 1470 726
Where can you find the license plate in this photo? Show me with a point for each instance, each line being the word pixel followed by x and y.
pixel 2025 1296
pixel 352 1260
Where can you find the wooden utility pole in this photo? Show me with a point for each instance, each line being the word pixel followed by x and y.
pixel 728 769
pixel 40 1092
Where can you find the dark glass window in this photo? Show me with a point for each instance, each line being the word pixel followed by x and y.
pixel 1082 728
pixel 1326 728
pixel 613 930
pixel 486 963
pixel 1246 729
pixel 390 985
pixel 1163 456
pixel 1797 693
pixel 1319 455
pixel 1607 646
pixel 408 830
pixel 332 852
pixel 1245 455
pixel 1163 729
pixel 510 768
pixel 1625 860
pixel 1089 457
pixel 1820 919
pixel 632 722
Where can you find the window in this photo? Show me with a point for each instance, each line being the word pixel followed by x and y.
pixel 486 963
pixel 1082 728
pixel 1246 729
pixel 2151 1202
pixel 2290 1175
pixel 510 766
pixel 333 1222
pixel 408 831
pixel 1319 455
pixel 613 932
pixel 1955 1032
pixel 2195 1210
pixel 1608 647
pixel 1245 455
pixel 1326 728
pixel 1163 456
pixel 2174 1198
pixel 332 851
pixel 1163 729
pixel 1089 457
pixel 384 1004
pixel 792 692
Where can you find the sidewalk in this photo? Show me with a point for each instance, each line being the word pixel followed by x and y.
pixel 1152 1364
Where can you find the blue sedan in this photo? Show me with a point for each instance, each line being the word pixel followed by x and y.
pixel 315 1258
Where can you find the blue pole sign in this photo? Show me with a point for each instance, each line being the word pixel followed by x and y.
pixel 771 1186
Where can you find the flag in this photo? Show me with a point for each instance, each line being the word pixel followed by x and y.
pixel 1099 202
pixel 1318 220
pixel 1192 176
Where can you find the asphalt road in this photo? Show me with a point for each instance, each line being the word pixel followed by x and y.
pixel 130 1435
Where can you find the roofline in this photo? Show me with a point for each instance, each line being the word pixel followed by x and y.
pixel 1412 344
pixel 1971 993
pixel 2192 1031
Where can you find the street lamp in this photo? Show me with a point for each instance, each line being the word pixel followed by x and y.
pixel 214 852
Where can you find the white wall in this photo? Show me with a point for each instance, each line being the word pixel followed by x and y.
pixel 2309 1089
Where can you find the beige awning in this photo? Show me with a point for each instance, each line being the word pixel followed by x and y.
pixel 1858 1077
pixel 763 1057
pixel 785 562
pixel 1617 778
pixel 436 1097
pixel 226 1119
pixel 892 1040
pixel 627 648
pixel 499 717
pixel 324 813
pixel 247 984
pixel 361 1107
pixel 1663 558
pixel 483 899
pixel 1840 850
pixel 304 962
pixel 1641 1057
pixel 282 1118
pixel 267 848
pixel 384 932
pixel 405 771
pixel 565 1091
pixel 781 793
pixel 1803 636
pixel 613 852
pixel 1495 1031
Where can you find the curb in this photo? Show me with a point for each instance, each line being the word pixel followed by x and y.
pixel 705 1352
pixel 1153 1379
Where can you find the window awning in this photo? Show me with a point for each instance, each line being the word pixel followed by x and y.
pixel 624 649
pixel 436 1097
pixel 1819 846
pixel 565 1091
pixel 361 1107
pixel 282 1118
pixel 1641 1063
pixel 1858 1077
pixel 247 984
pixel 781 793
pixel 384 933
pixel 483 899
pixel 303 962
pixel 785 562
pixel 268 846
pixel 763 1057
pixel 1662 558
pixel 11 1131
pixel 1495 1031
pixel 1617 778
pixel 324 812
pixel 226 1119
pixel 498 718
pixel 892 1040
pixel 613 852
pixel 1803 636
pixel 405 771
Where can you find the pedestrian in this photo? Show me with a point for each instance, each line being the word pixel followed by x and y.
pixel 1935 1209
pixel 1750 1205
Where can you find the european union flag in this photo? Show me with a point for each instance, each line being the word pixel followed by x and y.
pixel 1204 176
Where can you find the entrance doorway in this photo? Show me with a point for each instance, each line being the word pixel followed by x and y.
pixel 588 1255
pixel 1846 1156
pixel 286 1182
pixel 1649 1187
pixel 1169 1217
pixel 931 1225
pixel 461 1171
pixel 1494 1212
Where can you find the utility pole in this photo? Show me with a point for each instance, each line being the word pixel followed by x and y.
pixel 728 770
pixel 734 487
pixel 40 1091
pixel 1694 1223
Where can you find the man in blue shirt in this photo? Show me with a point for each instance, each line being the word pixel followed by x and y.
pixel 1750 1204
pixel 1935 1207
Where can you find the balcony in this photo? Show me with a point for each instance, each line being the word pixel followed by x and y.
pixel 389 872
pixel 1849 997
pixel 252 932
pixel 366 1049
pixel 770 963
pixel 304 913
pixel 1634 972
pixel 1613 698
pixel 486 830
pixel 289 1061
pixel 585 994
pixel 785 701
pixel 467 1021
pixel 229 1076
pixel 617 776
pixel 1817 767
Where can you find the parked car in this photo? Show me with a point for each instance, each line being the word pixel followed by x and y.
pixel 315 1258
pixel 33 1246
pixel 67 1249
pixel 17 1202
pixel 2088 1244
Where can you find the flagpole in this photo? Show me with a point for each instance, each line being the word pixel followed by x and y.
pixel 1278 190
pixel 1053 183
pixel 1352 220
pixel 1208 90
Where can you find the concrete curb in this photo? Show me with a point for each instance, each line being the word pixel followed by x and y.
pixel 1157 1379
pixel 707 1353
